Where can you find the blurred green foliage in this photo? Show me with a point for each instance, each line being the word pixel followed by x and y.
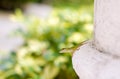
pixel 39 57
pixel 71 3
pixel 13 4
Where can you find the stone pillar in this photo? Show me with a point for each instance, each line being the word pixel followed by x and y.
pixel 107 26
pixel 100 58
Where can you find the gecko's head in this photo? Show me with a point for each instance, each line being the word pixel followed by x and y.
pixel 66 50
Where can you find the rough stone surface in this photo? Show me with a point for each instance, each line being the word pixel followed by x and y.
pixel 107 26
pixel 100 58
pixel 90 63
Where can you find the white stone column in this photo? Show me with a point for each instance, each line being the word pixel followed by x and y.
pixel 100 58
pixel 107 26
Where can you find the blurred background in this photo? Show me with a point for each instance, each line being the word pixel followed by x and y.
pixel 32 32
